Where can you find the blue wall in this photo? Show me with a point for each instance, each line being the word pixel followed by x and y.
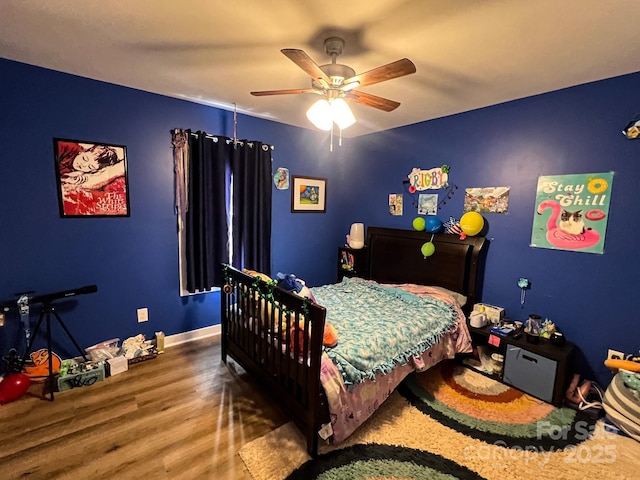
pixel 591 297
pixel 134 260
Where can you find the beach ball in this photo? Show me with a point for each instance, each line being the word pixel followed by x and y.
pixel 433 224
pixel 471 223
pixel 418 223
pixel 428 249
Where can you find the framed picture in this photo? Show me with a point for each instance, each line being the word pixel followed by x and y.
pixel 92 178
pixel 308 194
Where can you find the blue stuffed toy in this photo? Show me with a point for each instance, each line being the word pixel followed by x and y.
pixel 291 283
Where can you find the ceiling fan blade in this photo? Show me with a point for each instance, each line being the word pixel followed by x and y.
pixel 396 69
pixel 372 100
pixel 283 92
pixel 306 63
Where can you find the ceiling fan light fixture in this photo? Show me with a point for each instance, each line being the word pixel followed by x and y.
pixel 334 82
pixel 320 115
pixel 324 113
pixel 342 114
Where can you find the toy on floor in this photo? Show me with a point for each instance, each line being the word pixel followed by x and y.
pixel 14 386
pixel 136 346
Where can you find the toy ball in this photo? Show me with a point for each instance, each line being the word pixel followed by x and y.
pixel 13 387
pixel 433 225
pixel 418 223
pixel 428 249
pixel 471 223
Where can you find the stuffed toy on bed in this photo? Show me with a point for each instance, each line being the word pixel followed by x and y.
pixel 291 283
pixel 329 337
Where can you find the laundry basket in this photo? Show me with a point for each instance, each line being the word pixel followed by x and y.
pixel 622 405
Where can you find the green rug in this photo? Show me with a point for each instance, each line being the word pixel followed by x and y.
pixel 375 461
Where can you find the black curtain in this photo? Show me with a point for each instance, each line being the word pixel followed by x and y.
pixel 251 167
pixel 212 166
pixel 207 232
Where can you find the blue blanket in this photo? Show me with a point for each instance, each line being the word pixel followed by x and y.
pixel 380 327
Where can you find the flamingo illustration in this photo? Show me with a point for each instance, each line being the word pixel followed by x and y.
pixel 561 239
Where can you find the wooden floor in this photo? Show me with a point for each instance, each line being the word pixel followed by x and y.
pixel 183 415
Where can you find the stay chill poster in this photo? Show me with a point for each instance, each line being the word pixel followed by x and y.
pixel 571 212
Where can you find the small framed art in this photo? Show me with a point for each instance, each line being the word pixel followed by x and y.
pixel 91 178
pixel 308 194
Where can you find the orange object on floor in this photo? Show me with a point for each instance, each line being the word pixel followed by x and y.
pixel 38 368
pixel 615 365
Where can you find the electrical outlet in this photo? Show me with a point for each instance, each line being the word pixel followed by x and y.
pixel 143 315
pixel 615 355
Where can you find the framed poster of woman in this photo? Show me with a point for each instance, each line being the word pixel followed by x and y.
pixel 92 178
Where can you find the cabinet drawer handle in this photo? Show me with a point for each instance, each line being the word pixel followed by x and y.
pixel 531 359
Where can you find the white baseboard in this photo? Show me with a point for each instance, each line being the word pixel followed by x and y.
pixel 192 335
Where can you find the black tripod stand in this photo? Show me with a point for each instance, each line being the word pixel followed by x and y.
pixel 46 312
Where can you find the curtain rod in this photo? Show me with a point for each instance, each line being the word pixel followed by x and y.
pixel 215 138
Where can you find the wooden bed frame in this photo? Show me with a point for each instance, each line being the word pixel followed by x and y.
pixel 260 320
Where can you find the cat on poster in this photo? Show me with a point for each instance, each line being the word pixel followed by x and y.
pixel 571 212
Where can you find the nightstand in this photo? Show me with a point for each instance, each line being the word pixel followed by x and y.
pixel 352 262
pixel 539 369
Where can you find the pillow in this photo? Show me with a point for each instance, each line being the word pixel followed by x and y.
pixel 261 276
pixel 458 297
pixel 265 307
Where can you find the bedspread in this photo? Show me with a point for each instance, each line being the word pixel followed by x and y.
pixel 350 407
pixel 380 327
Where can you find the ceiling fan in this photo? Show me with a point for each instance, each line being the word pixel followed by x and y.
pixel 334 81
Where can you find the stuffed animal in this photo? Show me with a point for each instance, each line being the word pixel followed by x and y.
pixel 329 337
pixel 291 283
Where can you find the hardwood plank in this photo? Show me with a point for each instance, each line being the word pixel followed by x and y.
pixel 184 415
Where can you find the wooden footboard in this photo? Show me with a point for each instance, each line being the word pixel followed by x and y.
pixel 277 336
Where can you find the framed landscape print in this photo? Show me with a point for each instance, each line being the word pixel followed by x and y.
pixel 91 178
pixel 308 194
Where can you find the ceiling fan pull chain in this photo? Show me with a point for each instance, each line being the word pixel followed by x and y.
pixel 331 140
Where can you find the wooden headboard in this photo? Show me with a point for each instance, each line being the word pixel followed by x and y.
pixel 394 256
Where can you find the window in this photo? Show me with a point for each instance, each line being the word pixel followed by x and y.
pixel 223 203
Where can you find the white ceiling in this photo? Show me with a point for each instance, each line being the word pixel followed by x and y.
pixel 468 53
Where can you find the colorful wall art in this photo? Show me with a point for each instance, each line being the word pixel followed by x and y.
pixel 428 204
pixel 571 212
pixel 487 200
pixel 92 178
pixel 395 204
pixel 434 178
